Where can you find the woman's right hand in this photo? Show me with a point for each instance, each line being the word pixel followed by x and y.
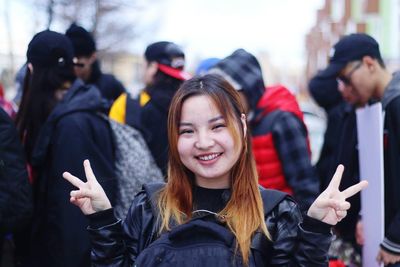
pixel 331 206
pixel 90 196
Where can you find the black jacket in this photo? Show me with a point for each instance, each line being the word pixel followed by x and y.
pixel 391 106
pixel 16 203
pixel 118 244
pixel 153 123
pixel 72 133
pixel 346 153
pixel 109 87
pixel 339 147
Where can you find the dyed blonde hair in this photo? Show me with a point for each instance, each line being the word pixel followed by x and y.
pixel 244 213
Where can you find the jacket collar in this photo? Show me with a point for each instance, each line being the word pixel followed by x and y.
pixel 392 90
pixel 78 98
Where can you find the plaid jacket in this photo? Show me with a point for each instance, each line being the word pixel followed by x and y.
pixel 290 142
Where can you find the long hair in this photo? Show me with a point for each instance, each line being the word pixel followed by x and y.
pixel 244 213
pixel 164 82
pixel 38 100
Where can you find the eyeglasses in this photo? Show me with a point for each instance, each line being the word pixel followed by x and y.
pixel 346 79
pixel 77 63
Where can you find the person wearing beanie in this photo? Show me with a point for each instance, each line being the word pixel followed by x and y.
pixel 88 67
pixel 279 135
pixel 163 74
pixel 363 79
pixel 59 126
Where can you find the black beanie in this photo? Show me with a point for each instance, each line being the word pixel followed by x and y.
pixel 242 70
pixel 50 49
pixel 325 91
pixel 166 53
pixel 82 40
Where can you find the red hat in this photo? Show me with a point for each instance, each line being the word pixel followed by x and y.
pixel 175 73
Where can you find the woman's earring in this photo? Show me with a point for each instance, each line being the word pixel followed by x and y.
pixel 244 124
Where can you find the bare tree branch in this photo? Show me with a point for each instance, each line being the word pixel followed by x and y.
pixel 113 23
pixel 50 12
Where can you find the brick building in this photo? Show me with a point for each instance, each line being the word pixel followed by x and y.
pixel 379 18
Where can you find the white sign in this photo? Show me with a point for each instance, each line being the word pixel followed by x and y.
pixel 370 148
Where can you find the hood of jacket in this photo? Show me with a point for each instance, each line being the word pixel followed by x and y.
pixel 277 97
pixel 79 98
pixel 243 71
pixel 325 91
pixel 392 90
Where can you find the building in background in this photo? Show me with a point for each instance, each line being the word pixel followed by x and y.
pixel 378 18
pixel 127 67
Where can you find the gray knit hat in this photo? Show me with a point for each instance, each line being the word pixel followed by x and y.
pixel 242 70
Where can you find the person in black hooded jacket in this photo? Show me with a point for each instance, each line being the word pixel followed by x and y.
pixel 59 125
pixel 16 204
pixel 340 143
pixel 15 191
pixel 339 147
pixel 211 172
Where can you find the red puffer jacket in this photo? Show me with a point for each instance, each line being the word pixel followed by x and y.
pixel 276 99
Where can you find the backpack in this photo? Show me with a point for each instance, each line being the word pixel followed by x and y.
pixel 16 202
pixel 204 241
pixel 134 165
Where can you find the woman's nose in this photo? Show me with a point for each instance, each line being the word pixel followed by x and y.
pixel 204 141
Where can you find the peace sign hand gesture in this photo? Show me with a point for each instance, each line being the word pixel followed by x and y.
pixel 331 206
pixel 90 196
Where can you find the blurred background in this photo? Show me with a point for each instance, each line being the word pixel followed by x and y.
pixel 291 38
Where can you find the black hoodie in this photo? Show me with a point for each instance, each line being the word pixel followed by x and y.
pixel 72 133
pixel 391 107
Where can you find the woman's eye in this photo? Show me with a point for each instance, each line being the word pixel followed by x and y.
pixel 185 131
pixel 218 126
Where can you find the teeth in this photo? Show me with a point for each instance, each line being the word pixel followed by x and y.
pixel 209 157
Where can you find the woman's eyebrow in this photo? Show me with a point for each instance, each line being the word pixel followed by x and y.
pixel 215 119
pixel 185 124
pixel 219 117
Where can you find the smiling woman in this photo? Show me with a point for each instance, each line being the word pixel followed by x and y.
pixel 205 144
pixel 211 212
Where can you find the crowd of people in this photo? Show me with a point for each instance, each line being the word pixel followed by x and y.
pixel 237 185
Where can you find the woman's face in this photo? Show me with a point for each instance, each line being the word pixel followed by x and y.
pixel 205 144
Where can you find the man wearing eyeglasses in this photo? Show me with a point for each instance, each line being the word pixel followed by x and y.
pixel 87 66
pixel 357 64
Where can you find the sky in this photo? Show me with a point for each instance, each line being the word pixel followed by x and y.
pixel 212 28
pixel 204 28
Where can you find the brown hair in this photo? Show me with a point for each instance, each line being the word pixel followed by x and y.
pixel 244 213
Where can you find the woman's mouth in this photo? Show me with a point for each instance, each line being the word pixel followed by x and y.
pixel 209 157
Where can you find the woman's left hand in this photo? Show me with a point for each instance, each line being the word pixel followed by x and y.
pixel 331 205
